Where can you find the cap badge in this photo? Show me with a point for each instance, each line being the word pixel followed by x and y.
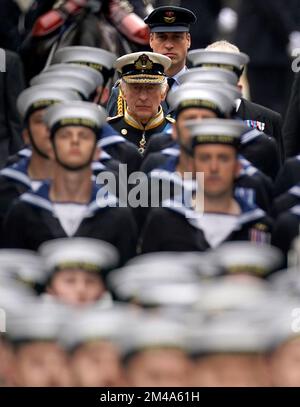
pixel 143 62
pixel 169 17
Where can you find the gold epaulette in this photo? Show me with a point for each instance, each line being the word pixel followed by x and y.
pixel 120 103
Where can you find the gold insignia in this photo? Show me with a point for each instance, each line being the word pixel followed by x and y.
pixel 143 62
pixel 169 17
pixel 124 132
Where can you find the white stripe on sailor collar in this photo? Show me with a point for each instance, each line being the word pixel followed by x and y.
pixel 295 190
pixel 295 210
pixel 107 141
pixel 172 151
pixel 16 175
pixel 191 215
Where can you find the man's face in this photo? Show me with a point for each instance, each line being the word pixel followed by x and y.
pixel 173 45
pixel 41 364
pixel 192 113
pixel 285 365
pixel 75 146
pixel 143 100
pixel 97 364
pixel 229 370
pixel 76 287
pixel 159 367
pixel 220 167
pixel 39 132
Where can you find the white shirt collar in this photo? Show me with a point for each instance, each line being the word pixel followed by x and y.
pixel 238 104
pixel 175 77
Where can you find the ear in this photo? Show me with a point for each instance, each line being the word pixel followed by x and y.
pixel 151 40
pixel 26 138
pixel 164 93
pixel 240 86
pixel 104 96
pixel 189 40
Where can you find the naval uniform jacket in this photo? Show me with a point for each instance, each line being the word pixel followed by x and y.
pixel 33 220
pixel 173 228
pixel 136 132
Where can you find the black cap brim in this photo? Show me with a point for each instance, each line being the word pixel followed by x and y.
pixel 169 29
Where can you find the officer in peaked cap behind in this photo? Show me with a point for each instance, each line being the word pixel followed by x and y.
pixel 169 36
pixel 144 86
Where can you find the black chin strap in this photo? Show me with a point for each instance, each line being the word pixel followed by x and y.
pixel 35 147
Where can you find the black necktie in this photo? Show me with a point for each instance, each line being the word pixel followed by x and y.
pixel 171 82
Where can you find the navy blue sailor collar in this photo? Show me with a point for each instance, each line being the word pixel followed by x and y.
pixel 249 213
pixel 41 199
pixel 18 172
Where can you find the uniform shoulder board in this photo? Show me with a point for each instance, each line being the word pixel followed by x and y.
pixel 170 119
pixel 114 118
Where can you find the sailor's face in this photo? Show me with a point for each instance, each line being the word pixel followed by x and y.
pixel 75 146
pixel 159 367
pixel 97 364
pixel 220 167
pixel 143 100
pixel 230 370
pixel 38 131
pixel 185 115
pixel 41 364
pixel 76 287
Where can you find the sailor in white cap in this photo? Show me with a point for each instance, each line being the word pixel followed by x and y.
pixel 283 358
pixel 256 146
pixel 29 171
pixel 230 349
pixel 93 340
pixel 72 203
pixel 143 84
pixel 99 59
pixel 248 258
pixel 84 85
pixel 155 353
pixel 221 216
pixel 76 269
pixel 39 360
pixel 81 71
pixel 226 55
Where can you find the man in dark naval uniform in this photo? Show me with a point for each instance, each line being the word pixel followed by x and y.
pixel 199 223
pixel 72 205
pixel 144 87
